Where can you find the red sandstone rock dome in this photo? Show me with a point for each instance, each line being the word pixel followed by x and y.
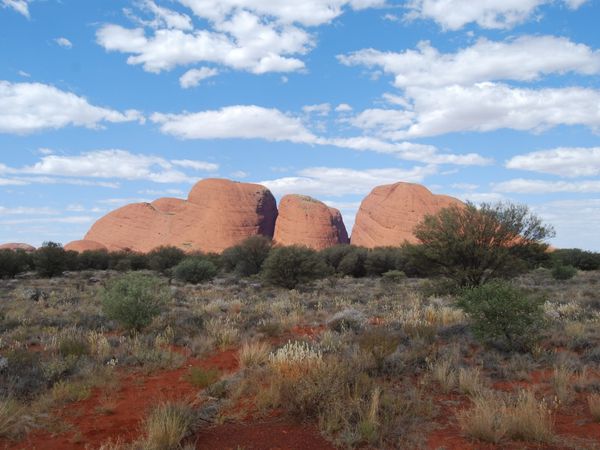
pixel 17 246
pixel 218 214
pixel 305 221
pixel 84 246
pixel 388 215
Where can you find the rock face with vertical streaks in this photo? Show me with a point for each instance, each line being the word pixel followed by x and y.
pixel 388 215
pixel 305 221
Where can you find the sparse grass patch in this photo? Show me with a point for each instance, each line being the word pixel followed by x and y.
pixel 562 381
pixel 15 419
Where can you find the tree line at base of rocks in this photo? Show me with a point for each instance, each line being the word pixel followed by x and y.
pixel 467 245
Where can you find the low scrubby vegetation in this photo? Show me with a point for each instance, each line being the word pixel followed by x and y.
pixel 365 345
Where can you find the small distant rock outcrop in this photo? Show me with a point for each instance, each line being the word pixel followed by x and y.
pixel 17 246
pixel 388 215
pixel 217 214
pixel 85 246
pixel 306 221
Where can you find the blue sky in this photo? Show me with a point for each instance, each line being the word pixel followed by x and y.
pixel 105 102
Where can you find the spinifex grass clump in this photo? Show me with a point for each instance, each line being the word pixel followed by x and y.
pixel 202 378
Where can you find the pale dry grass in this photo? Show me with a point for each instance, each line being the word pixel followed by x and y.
pixel 167 425
pixel 593 401
pixel 562 384
pixel 15 420
pixel 253 354
pixel 444 373
pixel 492 418
pixel 470 381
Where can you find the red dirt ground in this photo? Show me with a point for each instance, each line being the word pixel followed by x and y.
pixel 273 434
pixel 137 393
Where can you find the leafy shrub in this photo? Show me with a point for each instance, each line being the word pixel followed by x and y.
pixel 346 259
pixel 13 262
pixel 383 259
pixel 562 272
pixel 93 259
pixel 195 270
pixel 502 314
pixel 125 261
pixel 290 266
pixel 473 245
pixel 134 299
pixel 393 277
pixel 580 259
pixel 248 257
pixel 163 258
pixel 51 259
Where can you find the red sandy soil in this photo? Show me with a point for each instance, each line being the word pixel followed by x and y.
pixel 118 416
pixel 572 423
pixel 272 434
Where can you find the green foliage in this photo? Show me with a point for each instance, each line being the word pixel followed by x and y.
pixel 580 259
pixel 382 259
pixel 163 258
pixel 134 299
pixel 51 260
pixel 503 315
pixel 125 261
pixel 472 245
pixel 93 259
pixel 202 378
pixel 346 259
pixel 290 266
pixel 563 272
pixel 393 277
pixel 13 262
pixel 71 346
pixel 248 257
pixel 195 269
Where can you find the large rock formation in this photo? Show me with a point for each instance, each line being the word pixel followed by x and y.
pixel 305 221
pixel 388 215
pixel 17 246
pixel 217 214
pixel 85 246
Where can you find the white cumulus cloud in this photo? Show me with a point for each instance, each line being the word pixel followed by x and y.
pixel 499 14
pixel 526 58
pixel 64 42
pixel 564 162
pixel 20 6
pixel 30 107
pixel 193 77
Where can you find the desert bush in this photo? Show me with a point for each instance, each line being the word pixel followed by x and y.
pixel 73 346
pixel 248 257
pixel 202 378
pixel 125 261
pixel 502 314
pixel 13 262
pixel 384 259
pixel 392 277
pixel 93 259
pixel 134 299
pixel 195 270
pixel 167 426
pixel 345 259
pixel 472 245
pixel 562 272
pixel 51 259
pixel 23 376
pixel 163 258
pixel 290 266
pixel 580 259
pixel 379 343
